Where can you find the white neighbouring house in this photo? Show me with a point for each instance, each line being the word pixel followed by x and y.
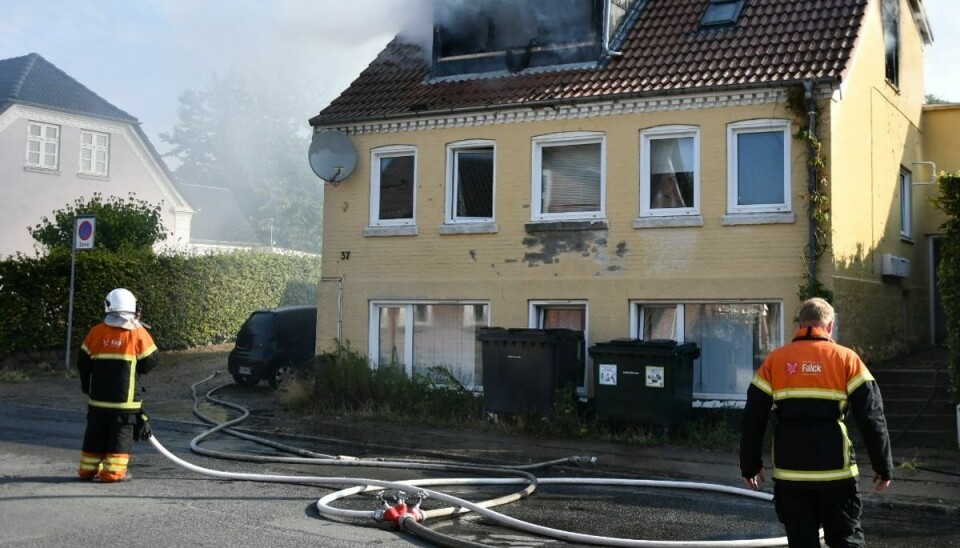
pixel 59 141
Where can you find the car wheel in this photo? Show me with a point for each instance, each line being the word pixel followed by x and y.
pixel 282 376
pixel 245 381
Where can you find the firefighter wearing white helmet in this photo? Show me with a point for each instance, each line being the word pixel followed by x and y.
pixel 112 356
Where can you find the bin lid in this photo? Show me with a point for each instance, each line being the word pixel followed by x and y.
pixel 640 346
pixel 527 334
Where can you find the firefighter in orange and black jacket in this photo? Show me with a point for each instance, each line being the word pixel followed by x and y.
pixel 811 384
pixel 113 354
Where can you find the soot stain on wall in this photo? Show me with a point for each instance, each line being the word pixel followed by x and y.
pixel 553 244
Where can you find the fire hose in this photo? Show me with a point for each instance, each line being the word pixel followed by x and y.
pixel 409 517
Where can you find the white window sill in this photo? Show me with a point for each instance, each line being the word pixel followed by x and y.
pixel 734 219
pixel 468 228
pixel 390 231
pixel 39 169
pixel 906 239
pixel 668 222
pixel 98 176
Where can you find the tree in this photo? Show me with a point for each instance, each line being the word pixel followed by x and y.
pixel 932 99
pixel 253 141
pixel 948 202
pixel 123 224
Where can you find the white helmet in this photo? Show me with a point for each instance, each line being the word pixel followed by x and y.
pixel 120 300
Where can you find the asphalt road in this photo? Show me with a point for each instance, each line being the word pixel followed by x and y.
pixel 42 504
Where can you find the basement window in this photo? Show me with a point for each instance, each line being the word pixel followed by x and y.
pixel 415 337
pixel 721 13
pixel 733 337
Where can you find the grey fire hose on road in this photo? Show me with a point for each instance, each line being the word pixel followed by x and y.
pixel 408 517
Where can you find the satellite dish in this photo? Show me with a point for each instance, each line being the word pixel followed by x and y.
pixel 332 156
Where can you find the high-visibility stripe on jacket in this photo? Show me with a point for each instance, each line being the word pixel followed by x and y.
pixel 109 361
pixel 811 384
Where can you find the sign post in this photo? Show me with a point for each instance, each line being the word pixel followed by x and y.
pixel 84 230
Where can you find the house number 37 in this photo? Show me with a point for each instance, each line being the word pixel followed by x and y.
pixel 344 255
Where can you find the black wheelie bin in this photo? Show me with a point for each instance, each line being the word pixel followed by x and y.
pixel 644 381
pixel 523 368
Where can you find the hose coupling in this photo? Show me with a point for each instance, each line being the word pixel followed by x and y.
pixel 400 511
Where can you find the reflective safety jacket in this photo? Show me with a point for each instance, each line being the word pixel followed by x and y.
pixel 811 384
pixel 109 361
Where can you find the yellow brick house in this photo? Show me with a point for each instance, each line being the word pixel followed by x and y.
pixel 632 169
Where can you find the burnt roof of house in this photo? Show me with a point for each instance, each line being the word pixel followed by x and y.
pixel 666 52
pixel 33 80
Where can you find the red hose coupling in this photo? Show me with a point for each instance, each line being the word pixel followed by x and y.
pixel 395 513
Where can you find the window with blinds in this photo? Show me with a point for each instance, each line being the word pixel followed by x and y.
pixel 569 177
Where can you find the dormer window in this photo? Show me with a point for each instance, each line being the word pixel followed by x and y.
pixel 512 35
pixel 722 13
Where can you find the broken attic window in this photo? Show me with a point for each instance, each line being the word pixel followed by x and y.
pixel 512 35
pixel 722 13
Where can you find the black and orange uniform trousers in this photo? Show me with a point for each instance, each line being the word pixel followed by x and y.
pixel 110 360
pixel 811 384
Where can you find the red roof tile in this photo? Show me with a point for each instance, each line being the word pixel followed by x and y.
pixel 774 42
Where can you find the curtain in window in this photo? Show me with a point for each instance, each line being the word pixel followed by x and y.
pixel 671 172
pixel 734 338
pixel 392 343
pixel 565 318
pixel 659 322
pixel 474 183
pixel 445 335
pixel 570 178
pixel 760 168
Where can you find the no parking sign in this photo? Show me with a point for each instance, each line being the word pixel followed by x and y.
pixel 84 229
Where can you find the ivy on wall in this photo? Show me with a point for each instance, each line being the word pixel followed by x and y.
pixel 948 201
pixel 817 197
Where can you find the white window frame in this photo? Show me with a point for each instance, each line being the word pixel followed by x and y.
pixel 906 204
pixel 374 328
pixel 453 183
pixel 668 132
pixel 391 151
pixel 94 148
pixel 733 176
pixel 536 316
pixel 561 140
pixel 43 140
pixel 700 398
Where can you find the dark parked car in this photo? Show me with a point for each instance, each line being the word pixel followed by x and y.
pixel 272 343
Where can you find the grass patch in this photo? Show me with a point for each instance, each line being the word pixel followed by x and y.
pixel 195 356
pixel 350 386
pixel 14 376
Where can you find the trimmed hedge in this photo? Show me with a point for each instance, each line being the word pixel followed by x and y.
pixel 187 300
pixel 949 272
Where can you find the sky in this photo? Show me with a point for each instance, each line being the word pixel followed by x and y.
pixel 141 55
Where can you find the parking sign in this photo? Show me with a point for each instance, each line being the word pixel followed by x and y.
pixel 84 229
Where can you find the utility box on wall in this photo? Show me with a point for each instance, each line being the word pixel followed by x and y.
pixel 894 266
pixel 644 381
pixel 524 368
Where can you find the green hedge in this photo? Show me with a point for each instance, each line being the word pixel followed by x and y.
pixel 187 300
pixel 949 271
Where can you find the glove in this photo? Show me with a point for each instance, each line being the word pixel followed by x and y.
pixel 141 430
